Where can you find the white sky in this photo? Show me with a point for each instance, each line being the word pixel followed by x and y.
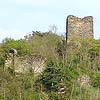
pixel 19 17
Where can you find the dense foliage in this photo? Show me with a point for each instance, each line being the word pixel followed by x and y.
pixel 72 70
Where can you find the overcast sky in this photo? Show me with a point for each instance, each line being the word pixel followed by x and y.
pixel 19 17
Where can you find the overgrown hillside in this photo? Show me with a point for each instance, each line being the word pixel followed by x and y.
pixel 43 44
pixel 72 70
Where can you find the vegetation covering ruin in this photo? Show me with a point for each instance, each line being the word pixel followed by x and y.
pixel 72 70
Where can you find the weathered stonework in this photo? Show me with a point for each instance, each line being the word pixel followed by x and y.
pixel 79 27
pixel 24 64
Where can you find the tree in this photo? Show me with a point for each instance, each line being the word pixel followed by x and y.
pixel 53 29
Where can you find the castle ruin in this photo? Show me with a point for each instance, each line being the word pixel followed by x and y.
pixel 79 27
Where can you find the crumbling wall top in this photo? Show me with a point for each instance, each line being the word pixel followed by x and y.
pixel 79 27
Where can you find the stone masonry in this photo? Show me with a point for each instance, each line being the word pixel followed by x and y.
pixel 79 27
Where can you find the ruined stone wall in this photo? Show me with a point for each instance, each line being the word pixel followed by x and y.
pixel 79 27
pixel 23 64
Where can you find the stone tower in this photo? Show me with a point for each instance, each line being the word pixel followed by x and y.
pixel 79 27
